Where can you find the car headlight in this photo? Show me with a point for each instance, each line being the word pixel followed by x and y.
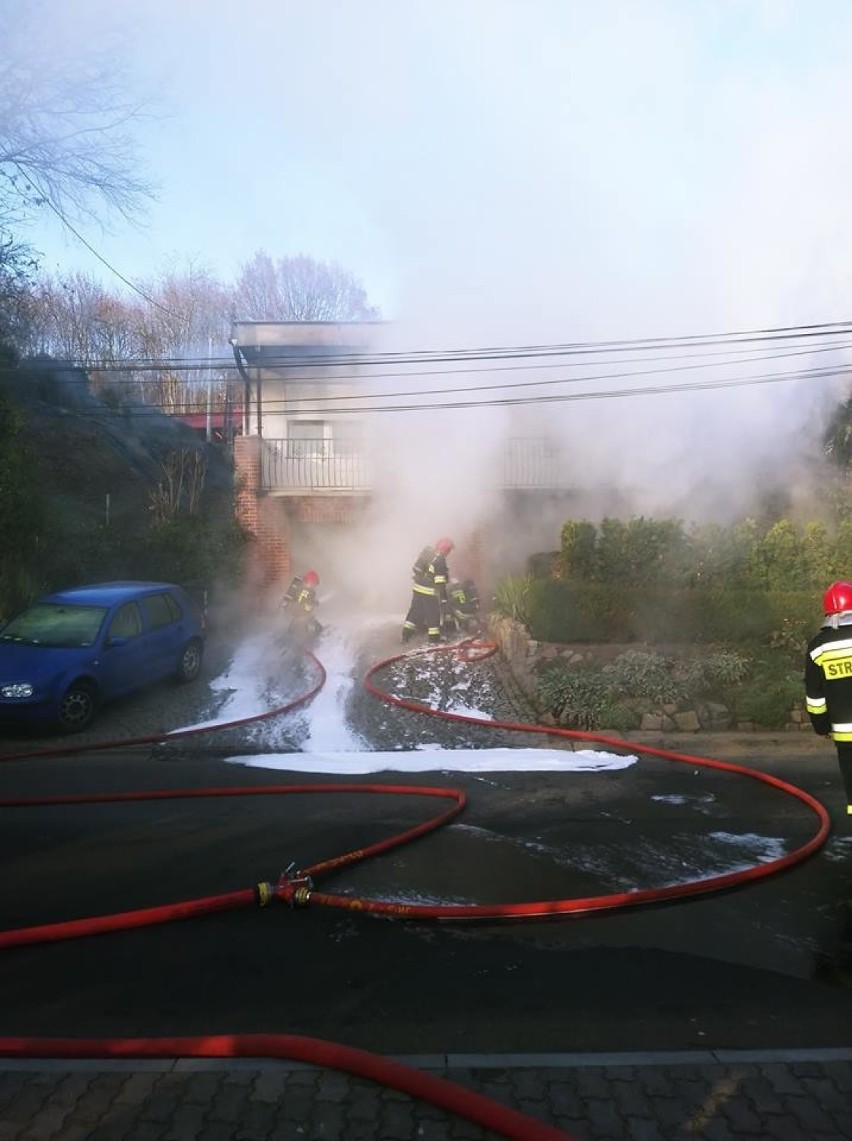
pixel 17 689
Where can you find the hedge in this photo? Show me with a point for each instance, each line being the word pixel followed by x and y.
pixel 562 611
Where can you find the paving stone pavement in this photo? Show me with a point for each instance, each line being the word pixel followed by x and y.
pixel 687 1096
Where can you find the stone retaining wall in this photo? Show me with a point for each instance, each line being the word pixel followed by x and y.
pixel 523 656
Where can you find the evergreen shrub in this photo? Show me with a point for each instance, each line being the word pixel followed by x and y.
pixel 563 611
pixel 774 688
pixel 614 697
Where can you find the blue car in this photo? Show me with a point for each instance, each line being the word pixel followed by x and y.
pixel 75 649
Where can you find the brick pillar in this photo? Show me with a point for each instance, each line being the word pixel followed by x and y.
pixel 262 517
pixel 247 452
pixel 273 535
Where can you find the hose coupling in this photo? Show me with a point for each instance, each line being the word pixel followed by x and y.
pixel 294 887
pixel 264 893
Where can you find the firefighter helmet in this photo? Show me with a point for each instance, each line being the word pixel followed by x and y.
pixel 837 598
pixel 311 578
pixel 444 546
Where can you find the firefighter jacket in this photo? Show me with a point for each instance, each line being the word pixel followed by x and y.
pixel 430 574
pixel 828 678
pixel 305 597
pixel 464 598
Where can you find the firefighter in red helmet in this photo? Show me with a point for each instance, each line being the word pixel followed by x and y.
pixel 828 678
pixel 300 602
pixel 428 610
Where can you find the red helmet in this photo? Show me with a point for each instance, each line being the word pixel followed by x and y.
pixel 444 546
pixel 838 597
pixel 311 578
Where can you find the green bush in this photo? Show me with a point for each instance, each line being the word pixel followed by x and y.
pixel 775 554
pixel 564 611
pixel 512 598
pixel 643 675
pixel 774 688
pixel 719 670
pixel 616 695
pixel 26 522
pixel 192 551
pixel 545 564
pixel 578 698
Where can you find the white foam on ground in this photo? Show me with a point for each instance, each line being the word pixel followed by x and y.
pixel 443 760
pixel 261 676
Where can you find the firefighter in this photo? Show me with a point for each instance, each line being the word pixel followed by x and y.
pixel 429 610
pixel 828 679
pixel 464 606
pixel 300 602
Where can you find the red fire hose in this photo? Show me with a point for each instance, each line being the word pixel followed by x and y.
pixel 159 738
pixel 296 888
pixel 444 1094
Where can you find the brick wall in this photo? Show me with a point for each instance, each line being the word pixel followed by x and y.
pixel 326 508
pixel 247 450
pixel 268 519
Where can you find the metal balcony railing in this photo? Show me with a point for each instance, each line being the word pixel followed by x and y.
pixel 299 467
pixel 533 462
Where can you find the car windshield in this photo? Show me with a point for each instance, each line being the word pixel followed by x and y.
pixel 55 624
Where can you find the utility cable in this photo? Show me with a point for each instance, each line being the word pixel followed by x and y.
pixel 290 360
pixel 43 198
pixel 204 364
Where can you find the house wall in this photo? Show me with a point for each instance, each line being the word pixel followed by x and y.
pixel 271 521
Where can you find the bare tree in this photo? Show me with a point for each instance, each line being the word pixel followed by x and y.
pixel 181 488
pixel 65 124
pixel 191 316
pixel 299 288
pixel 79 320
pixel 17 266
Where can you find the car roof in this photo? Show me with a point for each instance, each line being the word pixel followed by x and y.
pixel 106 593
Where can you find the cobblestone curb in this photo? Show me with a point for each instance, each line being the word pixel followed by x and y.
pixel 718 1095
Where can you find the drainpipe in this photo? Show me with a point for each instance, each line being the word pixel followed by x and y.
pixel 241 369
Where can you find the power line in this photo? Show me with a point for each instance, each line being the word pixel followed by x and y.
pixel 297 357
pixel 550 398
pixel 46 201
pixel 314 400
pixel 185 364
pixel 556 398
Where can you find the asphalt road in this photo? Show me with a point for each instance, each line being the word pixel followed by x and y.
pixel 767 964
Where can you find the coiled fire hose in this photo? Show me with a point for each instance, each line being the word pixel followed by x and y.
pixel 296 888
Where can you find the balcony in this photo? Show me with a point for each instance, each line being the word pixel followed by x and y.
pixel 333 467
pixel 314 467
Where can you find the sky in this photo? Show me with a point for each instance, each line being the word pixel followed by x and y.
pixel 625 168
pixel 513 172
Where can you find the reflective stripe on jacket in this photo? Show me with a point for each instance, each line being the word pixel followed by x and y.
pixel 430 574
pixel 828 678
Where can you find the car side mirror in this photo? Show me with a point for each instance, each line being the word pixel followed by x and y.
pixel 116 641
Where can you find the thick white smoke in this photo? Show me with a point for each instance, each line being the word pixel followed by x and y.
pixel 506 173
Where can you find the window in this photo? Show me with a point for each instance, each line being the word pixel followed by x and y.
pixel 162 610
pixel 127 622
pixel 308 439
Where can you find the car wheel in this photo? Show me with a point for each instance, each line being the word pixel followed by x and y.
pixel 189 666
pixel 77 707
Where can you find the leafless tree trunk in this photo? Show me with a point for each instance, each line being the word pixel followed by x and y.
pixel 182 485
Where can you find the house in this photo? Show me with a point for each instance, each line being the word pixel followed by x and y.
pixel 301 459
pixel 219 425
pixel 307 457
